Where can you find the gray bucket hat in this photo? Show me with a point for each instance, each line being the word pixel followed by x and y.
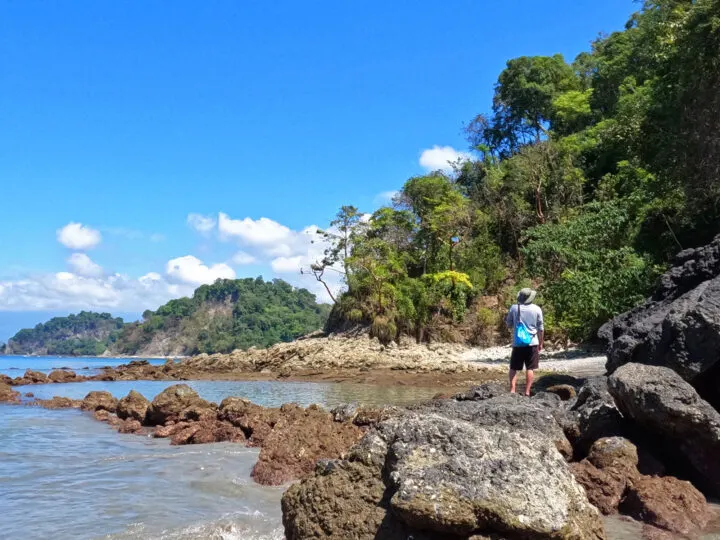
pixel 526 296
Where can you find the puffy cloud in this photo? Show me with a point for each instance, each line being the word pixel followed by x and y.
pixel 191 270
pixel 241 258
pixel 260 232
pixel 441 157
pixel 201 223
pixel 71 291
pixel 82 265
pixel 287 265
pixel 78 236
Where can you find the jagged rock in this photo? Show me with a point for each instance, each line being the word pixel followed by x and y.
pixel 8 395
pixel 668 503
pixel 101 415
pixel 205 431
pixel 369 416
pixel 134 406
pixel 592 416
pixel 62 376
pixel 344 413
pixel 255 421
pixel 99 400
pixel 299 438
pixel 679 327
pixel 35 377
pixel 58 402
pixel 5 379
pixel 661 403
pixel 444 477
pixel 171 402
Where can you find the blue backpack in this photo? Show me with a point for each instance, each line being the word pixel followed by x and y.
pixel 523 335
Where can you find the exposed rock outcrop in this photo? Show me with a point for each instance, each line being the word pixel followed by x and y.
pixel 298 440
pixel 8 395
pixel 667 503
pixel 134 406
pixel 178 402
pixel 679 327
pixel 659 402
pixel 58 402
pixel 96 400
pixel 62 376
pixel 427 474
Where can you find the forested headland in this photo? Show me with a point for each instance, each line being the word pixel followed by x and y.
pixel 227 315
pixel 588 176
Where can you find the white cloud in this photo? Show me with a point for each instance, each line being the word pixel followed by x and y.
pixel 82 265
pixel 71 291
pixel 288 265
pixel 386 197
pixel 191 270
pixel 201 223
pixel 441 157
pixel 260 232
pixel 78 236
pixel 241 258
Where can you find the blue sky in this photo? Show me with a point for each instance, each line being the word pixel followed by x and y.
pixel 122 119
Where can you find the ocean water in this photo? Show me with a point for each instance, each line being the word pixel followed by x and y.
pixel 15 366
pixel 63 475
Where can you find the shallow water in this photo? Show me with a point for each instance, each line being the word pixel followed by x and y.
pixel 65 475
pixel 15 366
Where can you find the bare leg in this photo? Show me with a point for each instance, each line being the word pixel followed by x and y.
pixel 513 380
pixel 529 378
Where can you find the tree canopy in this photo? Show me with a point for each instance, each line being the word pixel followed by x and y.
pixel 587 177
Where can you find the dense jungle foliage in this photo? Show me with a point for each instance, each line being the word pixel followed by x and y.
pixel 86 333
pixel 588 176
pixel 229 314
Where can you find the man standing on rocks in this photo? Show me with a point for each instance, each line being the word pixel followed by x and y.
pixel 525 320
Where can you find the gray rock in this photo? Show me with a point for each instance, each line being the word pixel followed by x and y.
pixel 512 410
pixel 344 413
pixel 429 476
pixel 658 401
pixel 592 416
pixel 679 327
pixel 481 392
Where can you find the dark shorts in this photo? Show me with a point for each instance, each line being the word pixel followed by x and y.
pixel 528 357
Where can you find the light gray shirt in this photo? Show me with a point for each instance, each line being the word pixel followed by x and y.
pixel 531 315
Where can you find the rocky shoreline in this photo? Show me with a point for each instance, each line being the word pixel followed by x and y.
pixel 641 441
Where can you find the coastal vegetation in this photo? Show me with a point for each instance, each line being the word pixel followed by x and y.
pixel 86 333
pixel 227 315
pixel 586 178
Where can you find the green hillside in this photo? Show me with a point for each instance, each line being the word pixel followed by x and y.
pixel 86 333
pixel 227 315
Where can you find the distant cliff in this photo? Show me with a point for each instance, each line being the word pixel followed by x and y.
pixel 222 317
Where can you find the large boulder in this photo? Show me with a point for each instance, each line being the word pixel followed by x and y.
pixel 659 402
pixel 512 410
pixel 679 327
pixel 173 403
pixel 298 440
pixel 35 377
pixel 667 503
pixel 133 406
pixel 204 431
pixel 427 474
pixel 99 399
pixel 610 465
pixel 593 415
pixel 62 376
